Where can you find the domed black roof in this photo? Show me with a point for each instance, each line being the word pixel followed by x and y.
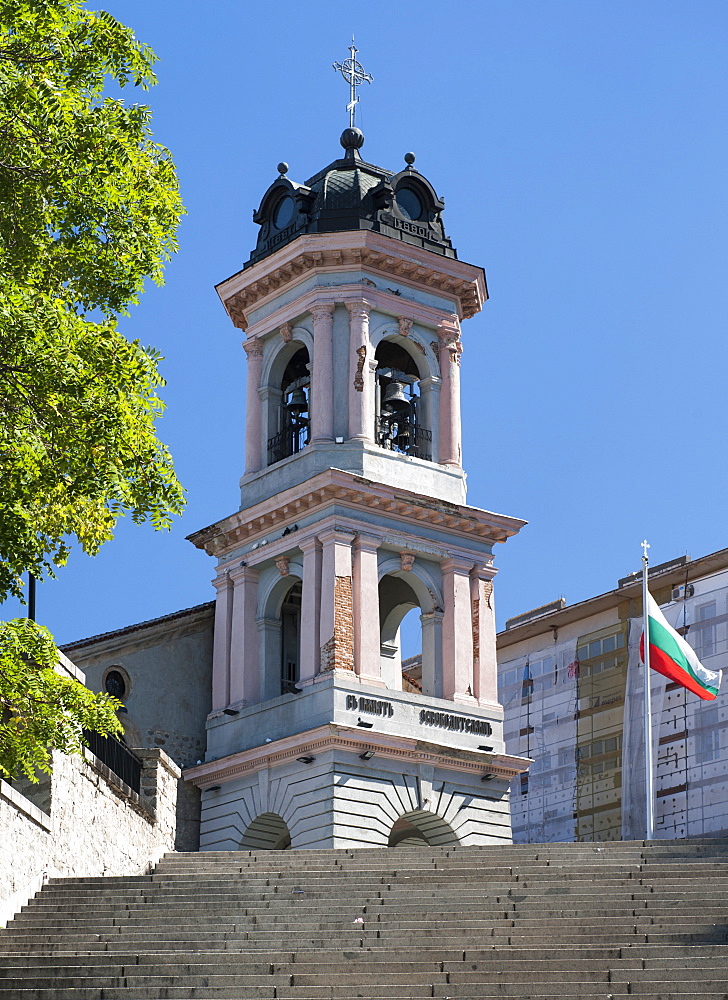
pixel 352 194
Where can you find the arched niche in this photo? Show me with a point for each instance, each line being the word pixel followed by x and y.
pixel 399 592
pixel 420 828
pixel 267 832
pixel 284 392
pixel 406 400
pixel 279 628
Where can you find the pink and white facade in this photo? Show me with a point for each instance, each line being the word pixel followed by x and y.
pixel 352 513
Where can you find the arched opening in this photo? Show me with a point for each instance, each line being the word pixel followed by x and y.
pixel 291 639
pixel 397 602
pixel 420 828
pixel 279 628
pixel 291 417
pixel 267 832
pixel 397 404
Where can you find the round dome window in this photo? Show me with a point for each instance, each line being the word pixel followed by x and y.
pixel 283 212
pixel 115 684
pixel 409 204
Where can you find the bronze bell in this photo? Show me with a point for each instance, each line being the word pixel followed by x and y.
pixel 394 397
pixel 298 402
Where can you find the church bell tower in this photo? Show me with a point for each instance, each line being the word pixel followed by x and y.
pixel 352 514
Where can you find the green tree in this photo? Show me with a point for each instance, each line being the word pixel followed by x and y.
pixel 89 207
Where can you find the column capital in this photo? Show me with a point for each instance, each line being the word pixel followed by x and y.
pixel 309 544
pixel 432 616
pixel 243 572
pixel 456 564
pixel 340 535
pixel 322 310
pixel 253 349
pixel 483 572
pixel 361 308
pixel 222 579
pixel 448 331
pixel 366 543
pixel 431 382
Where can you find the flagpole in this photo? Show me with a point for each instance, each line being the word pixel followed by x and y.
pixel 649 790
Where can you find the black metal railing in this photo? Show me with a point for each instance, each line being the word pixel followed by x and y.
pixel 404 437
pixel 288 441
pixel 117 758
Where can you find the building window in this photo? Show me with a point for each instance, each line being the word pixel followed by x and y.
pixel 702 634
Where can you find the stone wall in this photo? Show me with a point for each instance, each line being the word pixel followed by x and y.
pixel 96 825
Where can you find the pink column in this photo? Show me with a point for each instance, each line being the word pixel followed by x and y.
pixel 244 670
pixel 361 404
pixel 457 632
pixel 322 383
pixel 310 610
pixel 253 414
pixel 221 641
pixel 337 619
pixel 367 635
pixel 448 334
pixel 485 667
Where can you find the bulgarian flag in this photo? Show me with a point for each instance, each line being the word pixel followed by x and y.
pixel 671 656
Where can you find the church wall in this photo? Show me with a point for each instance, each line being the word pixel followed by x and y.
pixel 95 825
pixel 167 667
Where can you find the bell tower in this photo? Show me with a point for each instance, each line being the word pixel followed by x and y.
pixel 352 514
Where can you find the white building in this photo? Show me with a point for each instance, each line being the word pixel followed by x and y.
pixel 571 686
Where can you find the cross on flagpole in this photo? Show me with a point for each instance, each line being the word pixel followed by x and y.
pixel 354 74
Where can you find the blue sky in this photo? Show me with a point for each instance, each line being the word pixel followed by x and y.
pixel 582 151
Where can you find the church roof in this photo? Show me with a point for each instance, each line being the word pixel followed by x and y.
pixel 352 194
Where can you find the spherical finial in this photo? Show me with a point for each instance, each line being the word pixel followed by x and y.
pixel 352 138
pixel 409 159
pixel 282 168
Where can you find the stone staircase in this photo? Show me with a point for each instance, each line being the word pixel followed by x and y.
pixel 521 921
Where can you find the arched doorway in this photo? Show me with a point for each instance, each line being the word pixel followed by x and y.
pixel 421 828
pixel 267 832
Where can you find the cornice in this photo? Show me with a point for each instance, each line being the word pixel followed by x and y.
pixel 336 486
pixel 344 738
pixel 249 288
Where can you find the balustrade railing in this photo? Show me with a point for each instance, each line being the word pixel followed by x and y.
pixel 288 441
pixel 404 438
pixel 117 758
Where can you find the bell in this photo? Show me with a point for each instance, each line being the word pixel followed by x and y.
pixel 298 402
pixel 394 397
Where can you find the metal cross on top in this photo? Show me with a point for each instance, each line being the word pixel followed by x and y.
pixel 645 546
pixel 353 73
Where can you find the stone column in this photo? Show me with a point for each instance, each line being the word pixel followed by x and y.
pixel 485 667
pixel 253 408
pixel 221 641
pixel 361 398
pixel 448 334
pixel 430 413
pixel 322 382
pixel 337 625
pixel 244 670
pixel 269 657
pixel 310 610
pixel 367 630
pixel 432 653
pixel 457 632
